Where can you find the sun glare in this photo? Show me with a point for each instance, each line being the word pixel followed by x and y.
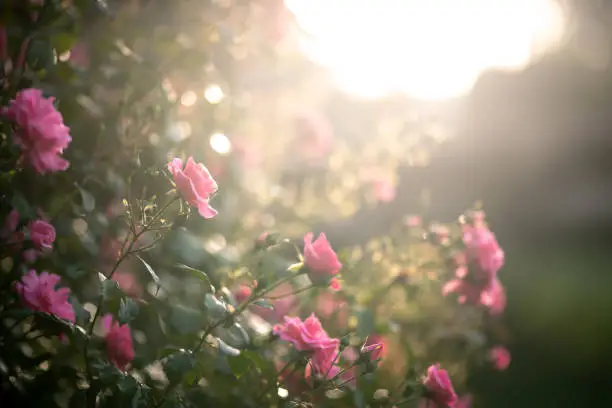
pixel 429 49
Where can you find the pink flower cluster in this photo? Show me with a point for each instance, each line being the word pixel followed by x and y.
pixel 476 279
pixel 439 388
pixel 195 184
pixel 309 335
pixel 119 346
pixel 40 131
pixel 321 261
pixel 41 233
pixel 500 357
pixel 39 293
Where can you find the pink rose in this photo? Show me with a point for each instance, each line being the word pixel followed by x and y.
pixel 41 134
pixel 42 234
pixel 128 283
pixel 323 363
pixel 500 356
pixel 490 294
pixel 308 335
pixel 195 184
pixel 494 297
pixel 119 346
pixel 439 387
pixel 242 293
pixel 482 251
pixel 320 259
pixel 38 292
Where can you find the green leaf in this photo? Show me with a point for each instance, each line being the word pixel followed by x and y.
pixel 128 310
pixel 78 399
pixel 178 364
pixel 51 324
pixel 366 323
pixel 63 42
pixel 127 384
pixel 296 267
pixel 216 308
pixel 226 349
pixel 140 399
pixel 75 271
pixel 40 54
pixel 166 351
pixel 154 276
pixel 359 400
pixel 239 364
pixel 264 303
pixel 110 290
pixel 108 374
pixel 82 316
pixel 236 335
pixel 88 200
pixel 23 207
pixel 259 361
pixel 201 275
pixel 186 320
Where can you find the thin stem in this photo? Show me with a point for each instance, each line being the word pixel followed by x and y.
pixel 240 309
pixel 291 293
pixel 223 321
pixel 124 254
pixel 282 370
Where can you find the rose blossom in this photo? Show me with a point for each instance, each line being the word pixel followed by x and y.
pixel 128 283
pixel 41 134
pixel 439 387
pixel 482 250
pixel 323 361
pixel 308 335
pixel 42 234
pixel 119 346
pixel 320 259
pixel 38 292
pixel 242 293
pixel 490 294
pixel 500 356
pixel 195 183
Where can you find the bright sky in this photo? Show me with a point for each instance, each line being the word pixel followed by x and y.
pixel 430 49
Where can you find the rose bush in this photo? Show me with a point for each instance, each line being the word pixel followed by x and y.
pixel 127 217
